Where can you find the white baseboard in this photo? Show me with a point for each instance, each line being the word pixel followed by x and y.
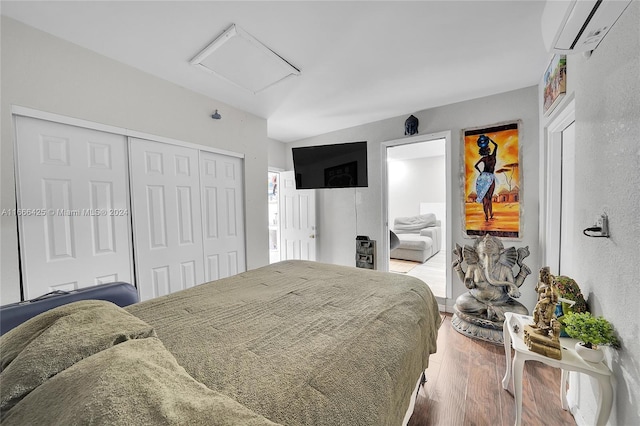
pixel 581 397
pixel 577 415
pixel 445 308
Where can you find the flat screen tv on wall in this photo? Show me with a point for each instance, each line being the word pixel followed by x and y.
pixel 342 165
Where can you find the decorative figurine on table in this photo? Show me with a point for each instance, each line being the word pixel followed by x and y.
pixel 543 336
pixel 479 313
pixel 544 312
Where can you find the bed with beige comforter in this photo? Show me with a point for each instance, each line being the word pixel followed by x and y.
pixel 294 343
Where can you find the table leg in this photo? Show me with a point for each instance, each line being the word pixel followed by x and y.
pixel 563 389
pixel 605 400
pixel 507 354
pixel 518 367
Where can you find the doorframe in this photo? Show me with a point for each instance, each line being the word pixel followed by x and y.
pixel 551 191
pixel 448 167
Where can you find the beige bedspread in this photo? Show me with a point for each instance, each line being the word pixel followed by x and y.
pixel 304 343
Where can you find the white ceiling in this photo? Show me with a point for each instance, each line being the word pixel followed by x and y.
pixel 360 61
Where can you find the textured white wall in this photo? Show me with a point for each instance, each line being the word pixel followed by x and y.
pixel 48 74
pixel 345 213
pixel 607 97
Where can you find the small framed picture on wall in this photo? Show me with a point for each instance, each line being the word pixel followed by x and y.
pixel 555 83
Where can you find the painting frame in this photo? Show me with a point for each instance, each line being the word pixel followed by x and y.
pixel 555 83
pixel 499 214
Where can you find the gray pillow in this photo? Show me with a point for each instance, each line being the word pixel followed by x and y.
pixel 55 340
pixel 138 382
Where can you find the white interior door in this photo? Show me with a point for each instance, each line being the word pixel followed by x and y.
pixel 73 206
pixel 165 188
pixel 567 229
pixel 297 220
pixel 222 190
pixel 554 201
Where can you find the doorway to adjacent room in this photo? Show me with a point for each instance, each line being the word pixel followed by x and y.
pixel 416 184
pixel 292 219
pixel 274 219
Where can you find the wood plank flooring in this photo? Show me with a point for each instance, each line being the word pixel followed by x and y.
pixel 464 387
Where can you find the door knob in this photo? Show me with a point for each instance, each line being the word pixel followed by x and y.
pixel 312 236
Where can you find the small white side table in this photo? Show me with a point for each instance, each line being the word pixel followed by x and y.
pixel 570 361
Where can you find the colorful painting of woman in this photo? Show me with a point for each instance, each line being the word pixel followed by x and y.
pixel 492 184
pixel 486 181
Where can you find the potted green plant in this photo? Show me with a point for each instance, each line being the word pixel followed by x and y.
pixel 591 332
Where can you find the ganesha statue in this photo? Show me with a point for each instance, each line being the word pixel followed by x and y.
pixel 479 313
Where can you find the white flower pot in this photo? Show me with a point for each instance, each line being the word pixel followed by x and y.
pixel 591 355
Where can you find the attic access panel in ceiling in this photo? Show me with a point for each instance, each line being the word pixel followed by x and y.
pixel 241 59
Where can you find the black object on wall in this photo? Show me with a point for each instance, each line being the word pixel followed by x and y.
pixel 411 125
pixel 341 165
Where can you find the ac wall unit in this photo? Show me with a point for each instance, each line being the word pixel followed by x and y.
pixel 578 25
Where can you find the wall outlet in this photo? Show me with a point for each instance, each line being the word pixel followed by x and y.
pixel 602 222
pixel 600 228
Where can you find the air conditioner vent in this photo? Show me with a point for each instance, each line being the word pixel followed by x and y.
pixel 579 25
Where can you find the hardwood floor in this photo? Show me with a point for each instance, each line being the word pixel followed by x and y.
pixel 464 387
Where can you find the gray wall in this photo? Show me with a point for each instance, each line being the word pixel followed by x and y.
pixel 345 213
pixel 276 154
pixel 607 97
pixel 423 183
pixel 48 74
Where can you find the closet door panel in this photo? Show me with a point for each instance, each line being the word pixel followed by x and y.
pixel 73 207
pixel 223 215
pixel 165 187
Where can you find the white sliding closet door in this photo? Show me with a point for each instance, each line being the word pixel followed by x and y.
pixel 73 207
pixel 165 188
pixel 223 212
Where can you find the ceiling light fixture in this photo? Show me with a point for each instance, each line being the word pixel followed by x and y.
pixel 238 57
pixel 216 116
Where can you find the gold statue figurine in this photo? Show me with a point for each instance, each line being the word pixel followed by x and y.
pixel 543 336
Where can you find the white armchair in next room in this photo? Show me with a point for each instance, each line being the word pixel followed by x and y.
pixel 420 237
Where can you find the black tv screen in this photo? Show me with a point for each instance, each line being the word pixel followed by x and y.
pixel 341 165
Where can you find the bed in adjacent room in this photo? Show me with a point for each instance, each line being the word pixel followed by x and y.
pixel 293 343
